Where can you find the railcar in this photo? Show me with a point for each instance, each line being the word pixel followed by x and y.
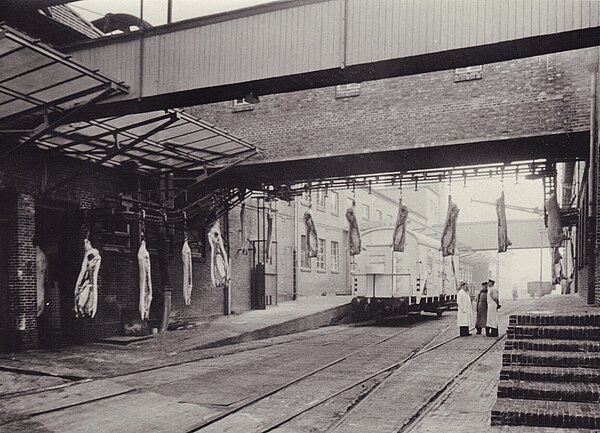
pixel 387 283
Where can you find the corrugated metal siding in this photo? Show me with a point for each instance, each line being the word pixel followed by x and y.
pixel 310 37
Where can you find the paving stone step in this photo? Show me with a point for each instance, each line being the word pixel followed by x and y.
pixel 545 344
pixel 550 374
pixel 544 413
pixel 562 332
pixel 552 319
pixel 578 392
pixel 551 359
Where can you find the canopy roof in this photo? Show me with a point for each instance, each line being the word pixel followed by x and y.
pixel 35 78
pixel 166 139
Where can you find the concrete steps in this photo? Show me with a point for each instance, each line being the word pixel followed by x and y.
pixel 550 373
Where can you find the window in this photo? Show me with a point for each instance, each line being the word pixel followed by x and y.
pixel 321 255
pixel 366 212
pixel 304 259
pixel 347 90
pixel 241 105
pixel 335 256
pixel 335 202
pixel 469 73
pixel 112 234
pixel 379 215
pixel 320 199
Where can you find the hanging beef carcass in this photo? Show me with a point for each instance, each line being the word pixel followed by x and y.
pixel 145 280
pixel 270 219
pixel 354 240
pixel 555 235
pixel 449 234
pixel 219 263
pixel 186 258
pixel 400 229
pixel 243 239
pixel 311 234
pixel 41 265
pixel 503 241
pixel 86 288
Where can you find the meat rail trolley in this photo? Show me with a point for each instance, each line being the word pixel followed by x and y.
pixel 388 283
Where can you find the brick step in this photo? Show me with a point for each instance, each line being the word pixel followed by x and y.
pixel 550 374
pixel 553 332
pixel 544 413
pixel 543 344
pixel 551 359
pixel 577 392
pixel 550 319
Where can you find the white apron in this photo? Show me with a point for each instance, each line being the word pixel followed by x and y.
pixel 465 310
pixel 492 309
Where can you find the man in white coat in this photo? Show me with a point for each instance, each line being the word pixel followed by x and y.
pixel 465 311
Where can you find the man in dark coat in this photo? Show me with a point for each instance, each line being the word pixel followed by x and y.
pixel 480 323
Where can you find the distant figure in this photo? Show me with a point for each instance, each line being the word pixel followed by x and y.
pixel 482 306
pixel 492 310
pixel 465 311
pixel 515 293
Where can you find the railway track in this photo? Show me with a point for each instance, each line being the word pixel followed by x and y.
pixel 381 377
pixel 361 389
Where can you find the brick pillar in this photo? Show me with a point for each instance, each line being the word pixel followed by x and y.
pixel 22 293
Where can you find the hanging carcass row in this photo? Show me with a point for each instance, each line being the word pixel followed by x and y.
pixel 86 288
pixel 449 234
pixel 145 280
pixel 311 234
pixel 503 241
pixel 400 230
pixel 219 263
pixel 354 240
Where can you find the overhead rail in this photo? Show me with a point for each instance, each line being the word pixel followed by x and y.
pixel 458 176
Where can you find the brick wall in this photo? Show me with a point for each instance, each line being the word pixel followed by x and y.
pixel 531 96
pixel 22 294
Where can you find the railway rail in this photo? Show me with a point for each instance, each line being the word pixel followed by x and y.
pixel 382 375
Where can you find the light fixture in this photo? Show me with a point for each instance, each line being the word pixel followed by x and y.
pixel 251 98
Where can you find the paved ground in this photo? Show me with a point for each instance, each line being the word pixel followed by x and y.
pixel 451 388
pixel 467 404
pixel 105 360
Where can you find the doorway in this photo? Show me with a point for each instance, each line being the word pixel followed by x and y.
pixel 57 234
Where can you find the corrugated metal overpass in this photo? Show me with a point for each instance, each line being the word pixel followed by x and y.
pixel 293 45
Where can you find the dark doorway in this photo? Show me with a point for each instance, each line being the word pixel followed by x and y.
pixel 57 234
